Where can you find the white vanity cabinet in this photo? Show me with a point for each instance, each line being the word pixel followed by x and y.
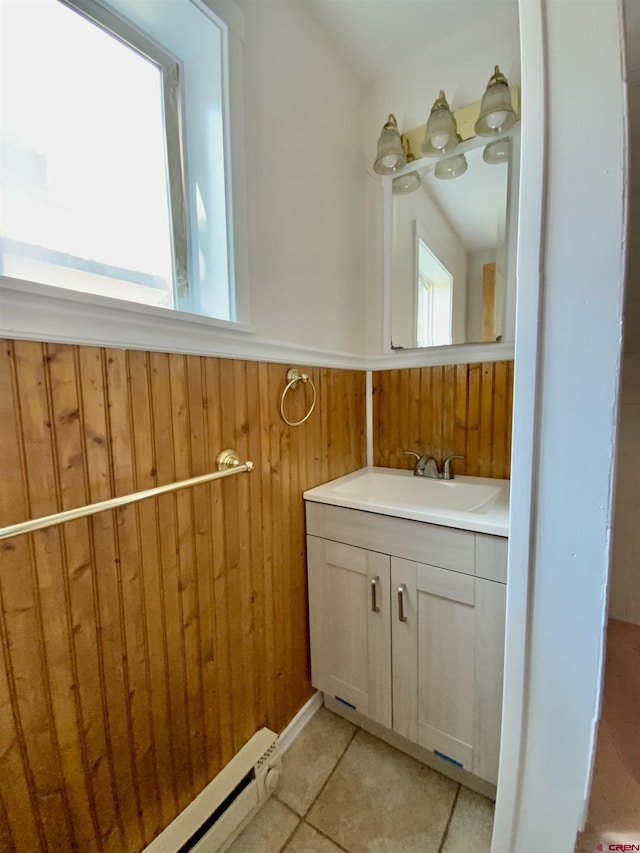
pixel 407 628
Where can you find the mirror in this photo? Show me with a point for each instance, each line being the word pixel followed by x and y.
pixel 404 53
pixel 453 254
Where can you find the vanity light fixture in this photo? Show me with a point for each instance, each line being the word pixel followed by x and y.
pixel 496 111
pixel 390 157
pixel 441 135
pixel 409 183
pixel 450 168
pixel 496 152
pixel 405 184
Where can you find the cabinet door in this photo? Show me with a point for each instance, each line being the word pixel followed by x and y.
pixel 350 626
pixel 490 617
pixel 447 663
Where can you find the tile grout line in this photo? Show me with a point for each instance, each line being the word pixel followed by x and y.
pixel 326 781
pixel 446 829
pixel 301 818
pixel 324 835
pixel 295 828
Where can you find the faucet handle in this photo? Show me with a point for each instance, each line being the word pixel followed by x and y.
pixel 447 473
pixel 418 470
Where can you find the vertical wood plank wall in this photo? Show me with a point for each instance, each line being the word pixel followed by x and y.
pixel 461 408
pixel 141 648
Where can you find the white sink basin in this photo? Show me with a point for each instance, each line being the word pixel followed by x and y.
pixel 463 493
pixel 471 503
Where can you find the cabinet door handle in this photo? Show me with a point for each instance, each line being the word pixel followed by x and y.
pixel 401 591
pixel 375 607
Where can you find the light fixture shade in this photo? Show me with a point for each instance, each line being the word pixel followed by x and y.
pixel 390 157
pixel 441 135
pixel 496 152
pixel 405 184
pixel 450 168
pixel 496 112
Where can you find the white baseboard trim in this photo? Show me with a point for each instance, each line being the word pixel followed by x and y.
pixel 301 719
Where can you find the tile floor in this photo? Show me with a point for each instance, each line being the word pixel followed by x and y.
pixel 344 790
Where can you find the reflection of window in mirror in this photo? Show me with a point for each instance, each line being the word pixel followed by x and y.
pixel 433 302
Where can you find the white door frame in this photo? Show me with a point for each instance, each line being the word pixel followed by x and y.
pixel 528 266
pixel 570 270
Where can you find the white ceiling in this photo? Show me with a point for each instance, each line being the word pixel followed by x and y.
pixel 481 188
pixel 376 36
pixel 408 50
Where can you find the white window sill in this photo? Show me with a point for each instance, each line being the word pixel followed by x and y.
pixel 31 311
pixel 43 312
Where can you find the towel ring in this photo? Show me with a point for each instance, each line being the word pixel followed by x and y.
pixel 294 377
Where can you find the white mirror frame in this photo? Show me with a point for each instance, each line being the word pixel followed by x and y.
pixel 453 353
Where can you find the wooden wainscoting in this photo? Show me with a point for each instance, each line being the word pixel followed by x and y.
pixel 142 647
pixel 460 408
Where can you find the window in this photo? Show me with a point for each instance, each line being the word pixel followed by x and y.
pixel 112 161
pixel 434 293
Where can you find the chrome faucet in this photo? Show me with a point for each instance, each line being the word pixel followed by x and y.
pixel 426 466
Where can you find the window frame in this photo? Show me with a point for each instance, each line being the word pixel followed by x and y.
pixel 425 293
pixel 36 311
pixel 428 283
pixel 138 41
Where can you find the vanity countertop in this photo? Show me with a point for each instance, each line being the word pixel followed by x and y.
pixel 468 503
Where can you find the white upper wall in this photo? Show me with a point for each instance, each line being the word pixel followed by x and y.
pixel 376 36
pixel 305 179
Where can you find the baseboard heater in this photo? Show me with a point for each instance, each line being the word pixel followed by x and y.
pixel 216 816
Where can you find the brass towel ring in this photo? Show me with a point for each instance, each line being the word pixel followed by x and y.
pixel 294 377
